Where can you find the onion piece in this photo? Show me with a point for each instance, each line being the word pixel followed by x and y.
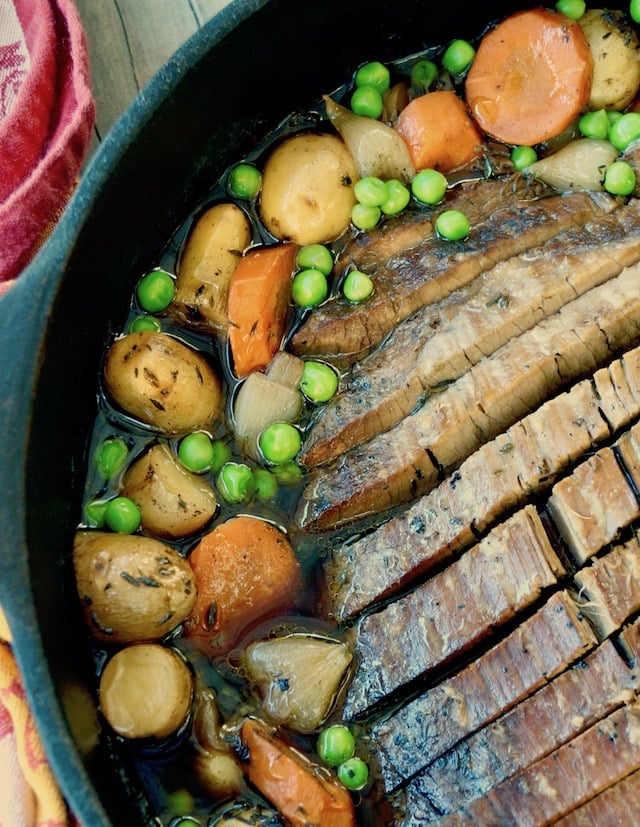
pixel 260 402
pixel 377 148
pixel 300 677
pixel 580 165
pixel 286 369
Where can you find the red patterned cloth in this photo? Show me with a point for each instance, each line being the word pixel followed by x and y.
pixel 46 117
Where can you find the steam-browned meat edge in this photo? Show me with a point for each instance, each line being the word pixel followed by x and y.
pixel 629 641
pixel 617 806
pixel 438 343
pixel 610 587
pixel 593 505
pixel 541 647
pixel 404 463
pixel 558 711
pixel 562 781
pixel 435 268
pixel 477 199
pixel 459 607
pixel 527 458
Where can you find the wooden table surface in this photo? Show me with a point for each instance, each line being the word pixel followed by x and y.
pixel 129 40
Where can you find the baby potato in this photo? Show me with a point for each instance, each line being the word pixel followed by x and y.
pixel 146 691
pixel 162 382
pixel 616 62
pixel 132 588
pixel 174 502
pixel 214 246
pixel 307 189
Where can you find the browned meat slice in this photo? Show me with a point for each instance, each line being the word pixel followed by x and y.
pixel 486 587
pixel 592 505
pixel 617 806
pixel 628 451
pixel 563 780
pixel 437 344
pixel 434 268
pixel 629 641
pixel 610 587
pixel 557 712
pixel 372 250
pixel 402 464
pixel 534 653
pixel 500 475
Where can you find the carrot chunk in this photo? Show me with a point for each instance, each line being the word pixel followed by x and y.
pixel 531 77
pixel 258 305
pixel 245 570
pixel 300 791
pixel 438 131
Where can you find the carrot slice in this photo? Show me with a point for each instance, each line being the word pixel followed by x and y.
pixel 298 789
pixel 245 570
pixel 531 77
pixel 438 131
pixel 258 305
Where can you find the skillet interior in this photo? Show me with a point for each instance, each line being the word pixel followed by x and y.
pixel 248 68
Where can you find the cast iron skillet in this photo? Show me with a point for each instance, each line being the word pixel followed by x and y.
pixel 249 67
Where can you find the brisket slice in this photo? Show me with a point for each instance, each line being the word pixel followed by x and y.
pixel 528 657
pixel 501 475
pixel 397 467
pixel 438 343
pixel 435 268
pixel 593 505
pixel 560 782
pixel 609 589
pixel 617 806
pixel 459 607
pixel 372 250
pixel 561 709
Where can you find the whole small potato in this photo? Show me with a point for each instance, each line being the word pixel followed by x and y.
pixel 307 189
pixel 174 502
pixel 212 251
pixel 616 63
pixel 132 588
pixel 146 691
pixel 162 382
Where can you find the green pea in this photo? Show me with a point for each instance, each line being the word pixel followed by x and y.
pixel 265 484
pixel 571 8
pixel 357 286
pixel 288 474
pixel 245 181
pixel 452 225
pixel 196 452
pixel 280 442
pixel 423 75
pixel 398 196
pixel 94 513
pixel 111 456
pixel 353 773
pixel 181 803
pixel 155 291
pixel 367 101
pixel 620 179
pixel 374 74
pixel 429 186
pixel 613 115
pixel 336 745
pixel 523 156
pixel 309 288
pixel 122 515
pixel 370 191
pixel 141 323
pixel 625 130
pixel 458 56
pixel 221 454
pixel 315 257
pixel 595 125
pixel 235 482
pixel 365 218
pixel 634 10
pixel 319 381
